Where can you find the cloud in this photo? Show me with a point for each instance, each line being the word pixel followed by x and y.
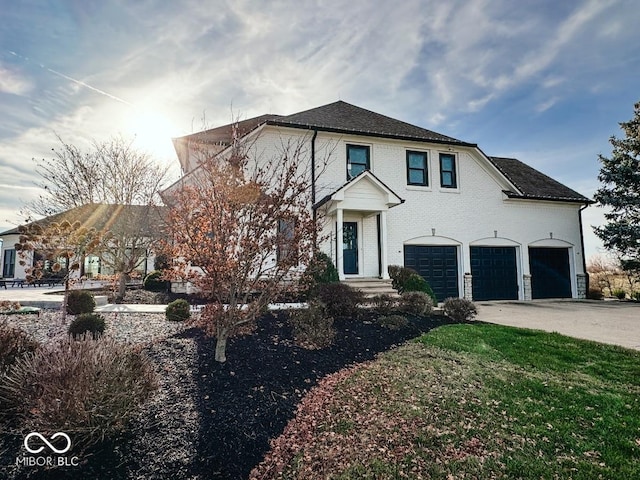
pixel 13 82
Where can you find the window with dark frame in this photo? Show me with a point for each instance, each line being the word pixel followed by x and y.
pixel 417 173
pixel 286 234
pixel 9 263
pixel 358 160
pixel 448 171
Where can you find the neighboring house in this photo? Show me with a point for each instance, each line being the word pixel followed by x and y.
pixel 131 224
pixel 482 227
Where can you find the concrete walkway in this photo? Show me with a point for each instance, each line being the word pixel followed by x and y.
pixel 612 322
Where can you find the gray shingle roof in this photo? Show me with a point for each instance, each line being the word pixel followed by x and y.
pixel 342 117
pixel 339 117
pixel 148 220
pixel 222 135
pixel 533 184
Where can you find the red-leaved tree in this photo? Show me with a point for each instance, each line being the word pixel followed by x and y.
pixel 242 229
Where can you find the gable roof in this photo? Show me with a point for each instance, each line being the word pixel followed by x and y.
pixel 146 219
pixel 223 135
pixel 338 117
pixel 532 184
pixel 362 175
pixel 342 117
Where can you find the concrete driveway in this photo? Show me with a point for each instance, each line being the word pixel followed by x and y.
pixel 613 322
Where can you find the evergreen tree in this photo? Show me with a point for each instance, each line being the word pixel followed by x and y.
pixel 620 192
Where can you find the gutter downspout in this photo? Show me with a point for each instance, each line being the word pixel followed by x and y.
pixel 313 185
pixel 584 257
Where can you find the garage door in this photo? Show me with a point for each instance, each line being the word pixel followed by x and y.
pixel 438 265
pixel 550 273
pixel 494 273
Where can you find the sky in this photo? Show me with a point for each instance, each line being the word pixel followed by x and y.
pixel 543 81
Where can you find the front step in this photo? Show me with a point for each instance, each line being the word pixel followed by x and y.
pixel 370 287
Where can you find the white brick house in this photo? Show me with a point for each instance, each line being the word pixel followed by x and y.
pixel 482 227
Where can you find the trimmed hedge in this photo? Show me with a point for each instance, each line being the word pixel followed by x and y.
pixel 340 300
pixel 87 323
pixel 459 309
pixel 153 282
pixel 178 311
pixel 80 301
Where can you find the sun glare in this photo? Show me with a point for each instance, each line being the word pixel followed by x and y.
pixel 153 132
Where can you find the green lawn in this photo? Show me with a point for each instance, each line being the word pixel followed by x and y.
pixel 476 401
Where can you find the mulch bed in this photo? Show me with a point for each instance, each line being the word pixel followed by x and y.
pixel 237 406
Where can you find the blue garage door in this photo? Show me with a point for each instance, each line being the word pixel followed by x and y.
pixel 438 265
pixel 494 273
pixel 550 272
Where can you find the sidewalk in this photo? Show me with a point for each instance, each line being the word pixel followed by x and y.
pixel 51 298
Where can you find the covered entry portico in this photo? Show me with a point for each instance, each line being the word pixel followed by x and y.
pixel 358 213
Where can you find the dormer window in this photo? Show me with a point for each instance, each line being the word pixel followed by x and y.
pixel 358 160
pixel 448 171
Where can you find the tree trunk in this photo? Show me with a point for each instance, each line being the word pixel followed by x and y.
pixel 221 346
pixel 122 285
pixel 65 300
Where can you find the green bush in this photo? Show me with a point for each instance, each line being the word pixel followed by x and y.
pixel 178 311
pixel 340 300
pixel 393 322
pixel 80 301
pixel 416 303
pixel 320 270
pixel 312 327
pixel 14 343
pixel 153 282
pixel 384 304
pixel 415 283
pixel 88 389
pixel 459 309
pixel 619 293
pixel 87 323
pixel 636 296
pixel 399 276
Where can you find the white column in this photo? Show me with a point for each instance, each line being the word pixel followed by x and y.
pixel 340 243
pixel 384 247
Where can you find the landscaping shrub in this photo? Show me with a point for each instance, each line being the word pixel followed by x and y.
pixel 322 269
pixel 415 283
pixel 416 303
pixel 88 389
pixel 153 282
pixel 595 293
pixel 393 322
pixel 178 311
pixel 312 327
pixel 384 304
pixel 619 293
pixel 87 323
pixel 399 276
pixel 80 301
pixel 636 296
pixel 459 309
pixel 14 343
pixel 340 300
